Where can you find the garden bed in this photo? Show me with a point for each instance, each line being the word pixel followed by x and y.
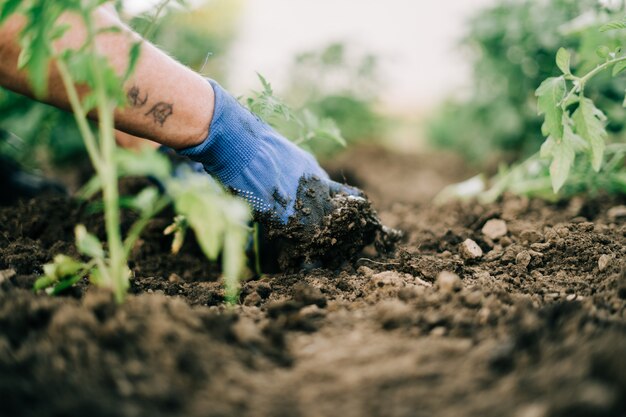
pixel 535 326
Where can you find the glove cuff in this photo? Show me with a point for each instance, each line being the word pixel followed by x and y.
pixel 234 138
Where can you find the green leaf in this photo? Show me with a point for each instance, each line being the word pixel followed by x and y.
pixel 547 148
pixel 563 158
pixel 603 51
pixel 615 25
pixel 87 243
pixel 619 67
pixel 218 220
pixel 133 58
pixel 66 266
pixel 65 284
pixel 62 269
pixel 563 58
pixel 204 217
pixel 589 122
pixel 7 8
pixel 143 163
pixel 43 283
pixel 146 199
pixel 550 94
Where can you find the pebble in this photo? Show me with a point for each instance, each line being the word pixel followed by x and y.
pixel 438 331
pixel 473 299
pixel 604 262
pixel 388 278
pixel 6 274
pixel 523 259
pixel 495 228
pixel 532 410
pixel 470 250
pixel 449 282
pixel 617 212
pixel 175 279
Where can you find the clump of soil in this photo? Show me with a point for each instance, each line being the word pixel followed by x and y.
pixel 150 356
pixel 326 230
pixel 531 325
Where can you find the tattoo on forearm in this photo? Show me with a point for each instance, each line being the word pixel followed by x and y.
pixel 135 98
pixel 160 112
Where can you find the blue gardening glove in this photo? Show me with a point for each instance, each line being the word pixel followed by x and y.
pixel 255 162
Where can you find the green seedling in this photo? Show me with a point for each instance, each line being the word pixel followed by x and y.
pixel 219 220
pixel 301 126
pixel 179 229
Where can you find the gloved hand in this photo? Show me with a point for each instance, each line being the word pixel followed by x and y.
pixel 277 178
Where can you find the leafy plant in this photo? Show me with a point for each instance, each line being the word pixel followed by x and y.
pixel 341 83
pixel 219 220
pixel 576 155
pixel 511 47
pixel 300 126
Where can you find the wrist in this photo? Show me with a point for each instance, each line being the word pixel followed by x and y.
pixel 231 140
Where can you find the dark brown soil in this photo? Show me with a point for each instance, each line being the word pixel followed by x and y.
pixel 534 327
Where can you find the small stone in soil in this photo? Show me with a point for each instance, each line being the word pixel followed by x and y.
pixel 6 274
pixel 616 213
pixel 495 228
pixel 470 250
pixel 449 282
pixel 604 262
pixel 473 299
pixel 174 279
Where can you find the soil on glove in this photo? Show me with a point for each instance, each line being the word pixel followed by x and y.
pixel 326 230
pixel 512 309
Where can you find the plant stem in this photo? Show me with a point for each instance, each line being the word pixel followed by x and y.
pixel 580 87
pixel 139 225
pixel 80 115
pixel 108 173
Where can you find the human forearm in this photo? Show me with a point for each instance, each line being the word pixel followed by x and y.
pixel 167 102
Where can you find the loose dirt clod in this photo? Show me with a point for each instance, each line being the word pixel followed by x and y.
pixel 470 250
pixel 523 259
pixel 330 234
pixel 449 282
pixel 495 228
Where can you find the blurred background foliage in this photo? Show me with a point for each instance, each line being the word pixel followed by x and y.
pixel 338 82
pixel 512 46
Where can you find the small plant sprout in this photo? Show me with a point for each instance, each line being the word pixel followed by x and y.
pixel 219 220
pixel 301 126
pixel 179 229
